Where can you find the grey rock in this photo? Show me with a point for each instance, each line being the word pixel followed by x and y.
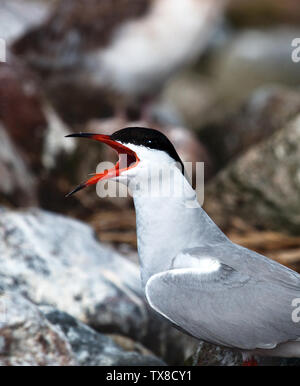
pixel 27 338
pixel 266 110
pixel 262 185
pixel 58 261
pixel 190 149
pixel 45 336
pixel 92 348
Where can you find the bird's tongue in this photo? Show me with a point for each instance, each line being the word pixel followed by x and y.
pixel 123 164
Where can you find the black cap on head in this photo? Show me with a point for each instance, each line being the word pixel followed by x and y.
pixel 153 139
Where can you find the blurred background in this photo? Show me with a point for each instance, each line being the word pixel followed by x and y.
pixel 217 77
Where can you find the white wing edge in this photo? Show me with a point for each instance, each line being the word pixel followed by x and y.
pixel 149 282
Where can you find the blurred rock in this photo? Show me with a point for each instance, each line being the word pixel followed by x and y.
pixel 30 121
pixel 18 184
pixel 190 99
pixel 253 58
pixel 54 260
pixel 27 338
pixel 189 148
pixel 128 344
pixel 18 16
pixel 90 53
pixel 21 110
pixel 236 63
pixel 93 349
pixel 55 145
pixel 263 12
pixel 263 185
pixel 34 146
pixel 266 110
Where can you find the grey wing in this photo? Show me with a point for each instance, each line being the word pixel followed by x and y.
pixel 218 304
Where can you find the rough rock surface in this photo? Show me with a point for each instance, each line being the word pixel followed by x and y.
pixel 210 355
pixel 262 185
pixel 45 336
pixel 94 349
pixel 27 338
pixel 57 261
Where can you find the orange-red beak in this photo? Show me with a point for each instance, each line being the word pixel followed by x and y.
pixel 131 160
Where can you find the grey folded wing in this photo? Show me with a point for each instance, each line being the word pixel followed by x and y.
pixel 216 303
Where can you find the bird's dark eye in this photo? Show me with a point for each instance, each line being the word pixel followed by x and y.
pixel 149 141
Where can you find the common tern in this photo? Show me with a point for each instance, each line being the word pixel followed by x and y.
pixel 192 274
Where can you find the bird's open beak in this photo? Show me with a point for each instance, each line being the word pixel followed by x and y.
pixel 131 160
